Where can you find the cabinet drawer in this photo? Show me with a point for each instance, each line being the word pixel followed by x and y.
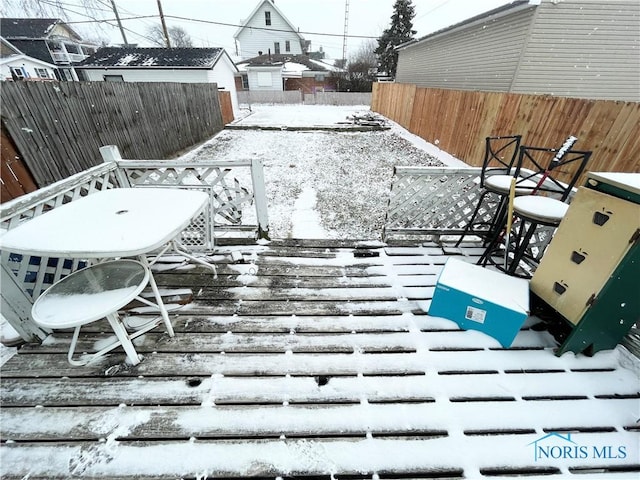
pixel 590 242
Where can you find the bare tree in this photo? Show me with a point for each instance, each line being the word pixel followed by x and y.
pixel 51 8
pixel 360 71
pixel 178 36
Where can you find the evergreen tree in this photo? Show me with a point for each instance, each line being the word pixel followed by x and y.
pixel 400 31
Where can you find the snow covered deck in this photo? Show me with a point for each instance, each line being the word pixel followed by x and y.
pixel 316 359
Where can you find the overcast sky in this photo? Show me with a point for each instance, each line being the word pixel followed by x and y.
pixel 367 18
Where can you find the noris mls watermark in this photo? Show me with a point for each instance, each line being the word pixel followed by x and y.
pixel 555 446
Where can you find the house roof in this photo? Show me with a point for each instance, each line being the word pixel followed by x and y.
pixel 130 57
pixel 500 11
pixel 271 5
pixel 291 62
pixel 31 28
pixel 7 49
pixel 37 50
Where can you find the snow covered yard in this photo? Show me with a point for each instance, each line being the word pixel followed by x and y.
pixel 314 357
pixel 340 180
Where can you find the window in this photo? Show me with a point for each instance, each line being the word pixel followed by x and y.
pixel 245 82
pixel 276 47
pixel 267 18
pixel 113 78
pixel 65 74
pixel 18 73
pixel 287 46
pixel 42 73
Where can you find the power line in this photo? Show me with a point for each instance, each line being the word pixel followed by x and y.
pixel 433 9
pixel 223 24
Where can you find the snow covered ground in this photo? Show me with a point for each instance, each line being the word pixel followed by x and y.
pixel 323 184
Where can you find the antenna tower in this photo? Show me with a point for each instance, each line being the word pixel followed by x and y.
pixel 346 28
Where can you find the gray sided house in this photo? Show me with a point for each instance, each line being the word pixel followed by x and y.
pixel 569 48
pixel 181 65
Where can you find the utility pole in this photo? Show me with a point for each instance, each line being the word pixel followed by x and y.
pixel 164 25
pixel 115 10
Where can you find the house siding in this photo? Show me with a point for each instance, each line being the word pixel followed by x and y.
pixel 256 84
pixel 253 38
pixel 29 67
pixel 481 56
pixel 583 48
pixel 149 75
pixel 60 30
pixel 225 79
pixel 568 48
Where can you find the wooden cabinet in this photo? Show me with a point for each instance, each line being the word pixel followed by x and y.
pixel 589 274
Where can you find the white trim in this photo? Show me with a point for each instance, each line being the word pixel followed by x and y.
pixel 16 58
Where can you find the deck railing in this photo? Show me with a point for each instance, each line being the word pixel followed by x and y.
pixel 434 201
pixel 430 200
pixel 237 203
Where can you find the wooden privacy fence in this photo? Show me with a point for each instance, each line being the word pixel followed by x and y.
pixel 226 107
pixel 14 176
pixel 58 127
pixel 458 121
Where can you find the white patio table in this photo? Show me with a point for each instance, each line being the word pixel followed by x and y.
pixel 114 223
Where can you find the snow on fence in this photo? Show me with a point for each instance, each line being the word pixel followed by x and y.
pixel 232 187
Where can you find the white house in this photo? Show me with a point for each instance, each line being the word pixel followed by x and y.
pixel 286 72
pixel 182 65
pixel 16 66
pixel 48 40
pixel 267 30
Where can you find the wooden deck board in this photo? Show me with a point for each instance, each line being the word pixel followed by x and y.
pixel 309 361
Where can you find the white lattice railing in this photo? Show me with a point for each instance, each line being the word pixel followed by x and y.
pixel 233 188
pixel 236 201
pixel 432 200
pixel 440 201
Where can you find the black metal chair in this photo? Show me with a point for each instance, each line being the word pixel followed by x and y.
pixel 542 201
pixel 498 168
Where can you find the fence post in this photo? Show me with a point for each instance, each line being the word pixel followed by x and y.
pixel 260 197
pixel 16 309
pixel 111 153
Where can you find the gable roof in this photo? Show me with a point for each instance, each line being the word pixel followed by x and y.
pixel 37 50
pixel 271 5
pixel 7 49
pixel 157 57
pixel 31 28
